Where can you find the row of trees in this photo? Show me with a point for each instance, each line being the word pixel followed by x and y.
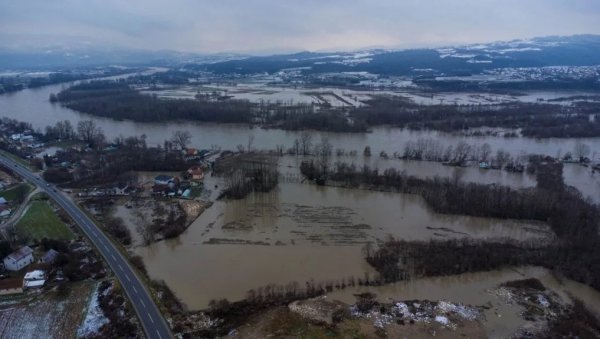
pixel 249 172
pixel 573 219
pixel 444 195
pixel 117 100
pixel 434 150
pixel 538 120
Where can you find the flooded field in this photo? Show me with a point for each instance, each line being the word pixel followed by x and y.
pixel 430 169
pixel 257 91
pixel 298 233
pixel 503 317
pixel 580 177
pixel 198 273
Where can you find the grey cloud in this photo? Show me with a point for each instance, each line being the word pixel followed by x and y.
pixel 263 25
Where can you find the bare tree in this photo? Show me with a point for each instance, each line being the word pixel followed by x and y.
pixel 89 132
pixel 461 152
pixel 143 227
pixel 323 150
pixel 250 143
pixel 68 130
pixel 502 157
pixel 296 147
pixel 581 150
pixel 367 151
pixel 485 151
pixel 306 142
pixel 181 138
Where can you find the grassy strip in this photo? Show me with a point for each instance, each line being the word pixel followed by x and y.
pixel 40 221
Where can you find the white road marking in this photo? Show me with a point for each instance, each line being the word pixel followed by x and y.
pixel 113 256
pixel 121 268
pixel 159 336
pixel 152 320
pixel 134 289
pixel 143 303
pixel 128 278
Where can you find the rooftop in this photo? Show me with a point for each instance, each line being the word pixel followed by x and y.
pixel 34 283
pixel 20 253
pixel 49 256
pixel 34 275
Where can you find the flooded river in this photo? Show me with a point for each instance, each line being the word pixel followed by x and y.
pixel 33 106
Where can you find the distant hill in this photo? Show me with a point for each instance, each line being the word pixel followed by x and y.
pixel 577 50
pixel 49 57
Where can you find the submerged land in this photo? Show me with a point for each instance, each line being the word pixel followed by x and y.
pixel 312 201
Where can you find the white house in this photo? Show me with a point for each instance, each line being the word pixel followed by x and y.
pixel 19 259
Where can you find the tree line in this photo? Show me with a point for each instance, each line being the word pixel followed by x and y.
pixel 574 220
pixel 119 100
pixel 564 208
pixel 538 120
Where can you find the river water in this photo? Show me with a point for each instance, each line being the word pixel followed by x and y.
pixel 33 106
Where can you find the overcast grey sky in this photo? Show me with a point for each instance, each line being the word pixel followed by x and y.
pixel 286 25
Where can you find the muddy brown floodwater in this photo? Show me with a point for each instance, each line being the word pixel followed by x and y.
pixel 301 232
pixel 477 289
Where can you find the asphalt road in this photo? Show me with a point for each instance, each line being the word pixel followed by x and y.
pixel 152 321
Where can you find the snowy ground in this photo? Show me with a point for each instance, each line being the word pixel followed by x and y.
pixel 94 318
pixel 46 315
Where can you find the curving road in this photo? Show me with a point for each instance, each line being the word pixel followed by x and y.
pixel 152 321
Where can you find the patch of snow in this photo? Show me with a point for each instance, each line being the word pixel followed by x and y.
pixel 522 49
pixel 465 312
pixel 474 61
pixel 442 320
pixel 543 301
pixel 94 319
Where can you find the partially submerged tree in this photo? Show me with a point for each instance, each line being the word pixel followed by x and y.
pixel 181 139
